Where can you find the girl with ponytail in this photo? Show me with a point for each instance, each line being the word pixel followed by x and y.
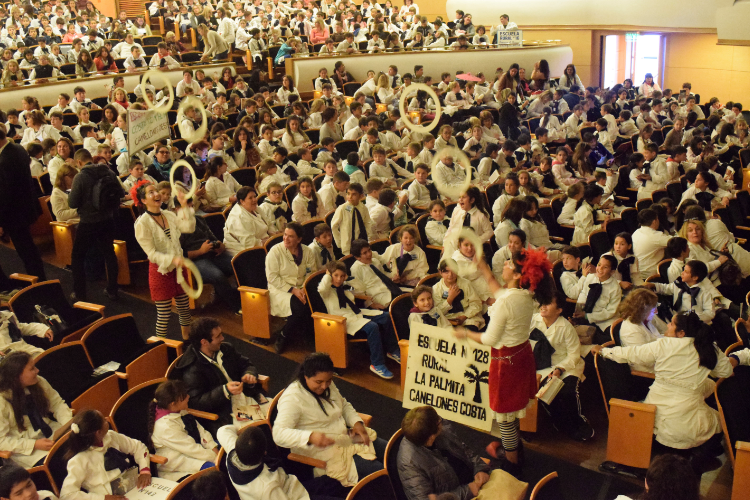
pixel 512 380
pixel 683 360
pixel 176 434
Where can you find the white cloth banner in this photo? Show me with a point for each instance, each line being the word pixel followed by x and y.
pixel 145 128
pixel 509 38
pixel 448 374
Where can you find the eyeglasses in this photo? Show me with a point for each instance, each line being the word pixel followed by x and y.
pixel 162 152
pixel 275 192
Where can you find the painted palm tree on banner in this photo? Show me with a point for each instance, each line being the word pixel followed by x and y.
pixel 474 376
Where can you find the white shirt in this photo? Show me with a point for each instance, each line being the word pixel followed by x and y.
pixel 605 309
pixel 585 223
pixel 648 247
pixel 243 230
pixel 283 273
pixel 510 318
pixel 159 247
pixel 184 455
pixel 370 283
pixel 632 334
pixel 341 225
pixel 563 338
pixel 417 268
pixel 471 303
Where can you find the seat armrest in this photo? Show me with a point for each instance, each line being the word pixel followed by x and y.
pixel 435 247
pixel 264 381
pixel 632 405
pixel 58 223
pixel 568 226
pixel 366 419
pixel 643 374
pixel 158 459
pixel 557 238
pixel 313 462
pixel 329 317
pixel 5 454
pixel 24 277
pixel 203 414
pixel 177 345
pixel 120 375
pixel 90 307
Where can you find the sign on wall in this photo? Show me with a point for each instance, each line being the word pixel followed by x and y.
pixel 509 38
pixel 448 374
pixel 145 128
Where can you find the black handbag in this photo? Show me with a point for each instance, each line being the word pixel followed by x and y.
pixel 48 316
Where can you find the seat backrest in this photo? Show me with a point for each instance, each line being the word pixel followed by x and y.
pixel 734 406
pixel 430 279
pixel 630 218
pixel 493 192
pixel 615 331
pixel 56 463
pixel 548 488
pixel 391 464
pixel 663 268
pixel 216 223
pixel 399 310
pixel 250 268
pixel 308 230
pixel 273 241
pixel 245 176
pixel 376 486
pixel 67 369
pixel 615 380
pixel 380 246
pixel 311 290
pixel 130 413
pixel 113 339
pixel 184 489
pixel 600 244
pixel 221 463
pixel 615 227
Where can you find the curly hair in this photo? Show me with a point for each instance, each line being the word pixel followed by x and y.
pixel 138 192
pixel 637 305
pixel 686 226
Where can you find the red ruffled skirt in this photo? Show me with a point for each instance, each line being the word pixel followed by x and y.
pixel 512 381
pixel 164 286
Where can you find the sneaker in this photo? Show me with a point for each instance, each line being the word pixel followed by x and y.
pixel 381 371
pixel 395 356
pixel 280 343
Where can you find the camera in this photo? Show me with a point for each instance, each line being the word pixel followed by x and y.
pixel 216 243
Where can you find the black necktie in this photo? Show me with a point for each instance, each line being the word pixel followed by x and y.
pixel 312 206
pixel 392 287
pixel 429 320
pixel 344 300
pixel 391 221
pixel 595 291
pixel 693 292
pixel 543 350
pixel 339 200
pixel 13 331
pixel 35 417
pixel 624 268
pixel 457 306
pixel 393 82
pixel 646 170
pixel 704 200
pixel 403 261
pixel 467 220
pixel 325 254
pixel 279 212
pixel 410 166
pixel 191 427
pixel 434 194
pixel 358 225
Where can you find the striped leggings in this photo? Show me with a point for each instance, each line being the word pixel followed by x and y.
pixel 164 310
pixel 510 434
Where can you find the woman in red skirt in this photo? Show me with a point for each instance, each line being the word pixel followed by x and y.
pixel 158 232
pixel 512 381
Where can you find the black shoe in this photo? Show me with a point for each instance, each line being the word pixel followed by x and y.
pixel 280 343
pixel 73 298
pixel 584 432
pixel 112 296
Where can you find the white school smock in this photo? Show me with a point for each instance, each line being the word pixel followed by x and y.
pixel 184 455
pixel 605 309
pixel 683 419
pixel 299 415
pixel 86 469
pixel 633 334
pixel 354 321
pixel 479 221
pixel 341 224
pixel 471 302
pixel 417 268
pixel 21 443
pixel 244 230
pixel 564 340
pixel 300 212
pixel 467 269
pixel 371 284
pixel 218 191
pixel 160 248
pixel 283 274
pixel 585 223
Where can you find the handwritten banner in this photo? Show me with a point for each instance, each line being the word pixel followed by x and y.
pixel 159 489
pixel 145 128
pixel 511 38
pixel 448 374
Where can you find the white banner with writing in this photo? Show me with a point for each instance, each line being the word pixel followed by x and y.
pixel 448 374
pixel 145 128
pixel 509 38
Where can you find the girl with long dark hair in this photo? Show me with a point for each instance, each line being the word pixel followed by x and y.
pixel 512 378
pixel 312 410
pixel 683 361
pixel 30 410
pixel 91 467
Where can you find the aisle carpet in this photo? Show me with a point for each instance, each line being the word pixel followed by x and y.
pixel 387 412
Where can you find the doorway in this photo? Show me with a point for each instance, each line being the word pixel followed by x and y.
pixel 632 55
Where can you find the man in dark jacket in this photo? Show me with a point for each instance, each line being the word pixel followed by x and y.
pixel 213 372
pixel 215 264
pixel 432 460
pixel 96 227
pixel 19 207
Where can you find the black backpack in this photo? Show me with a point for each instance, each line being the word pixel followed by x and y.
pixel 106 193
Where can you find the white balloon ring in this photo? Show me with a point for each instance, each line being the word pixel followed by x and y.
pixel 150 105
pixel 190 292
pixel 471 236
pixel 452 192
pixel 197 135
pixel 193 185
pixel 420 129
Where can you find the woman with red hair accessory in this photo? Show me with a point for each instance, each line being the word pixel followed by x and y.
pixel 512 381
pixel 158 232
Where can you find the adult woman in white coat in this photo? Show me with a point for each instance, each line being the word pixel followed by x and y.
pixel 245 227
pixel 700 249
pixel 27 405
pixel 221 186
pixel 158 232
pixel 720 237
pixel 682 361
pixel 59 197
pixel 64 156
pixel 38 129
pixel 287 267
pixel 312 410
pixel 637 311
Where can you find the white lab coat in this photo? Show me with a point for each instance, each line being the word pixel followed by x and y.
pixel 479 222
pixel 683 419
pixel 585 223
pixel 632 334
pixel 27 329
pixel 21 443
pixel 283 274
pixel 354 321
pixel 276 485
pixel 564 340
pixel 719 235
pixel 467 270
pixel 219 191
pixel 341 225
pixel 300 414
pixel 184 455
pixel 160 248
pixel 603 314
pixel 648 247
pixel 417 268
pixel 366 278
pixel 244 230
pixel 471 302
pixel 415 318
pixel 300 213
pixel 86 469
pixel 60 207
